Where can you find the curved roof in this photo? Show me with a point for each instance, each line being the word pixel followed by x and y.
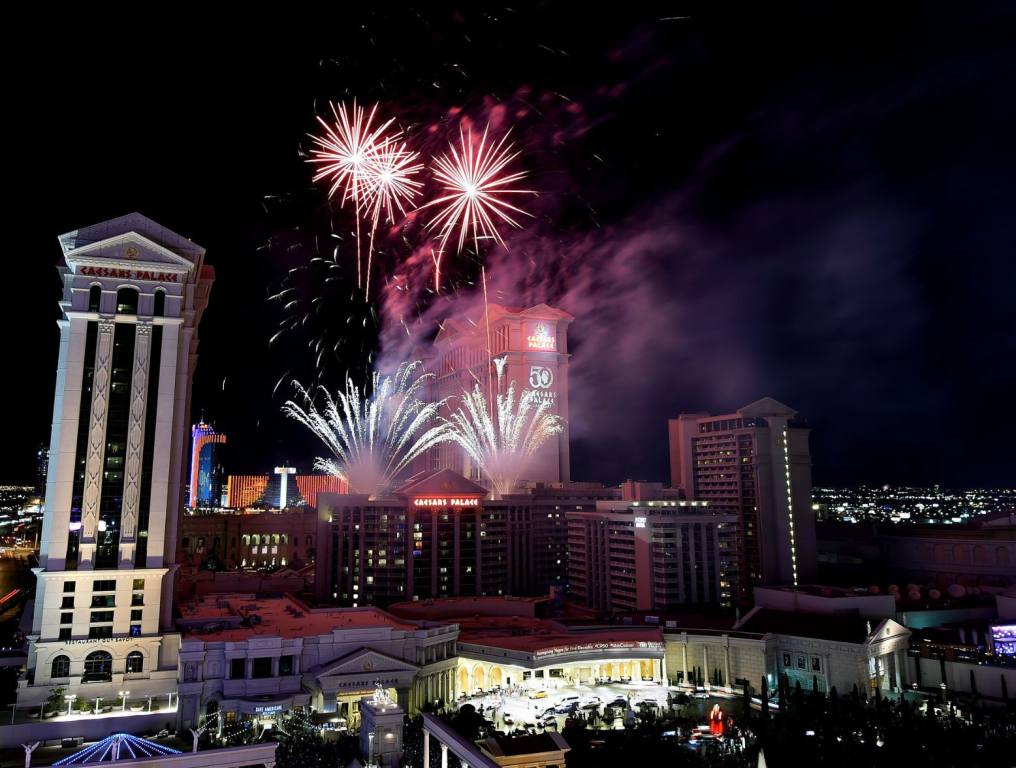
pixel 118 746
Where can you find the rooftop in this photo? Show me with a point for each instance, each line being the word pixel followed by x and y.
pixel 239 617
pixel 530 635
pixel 839 628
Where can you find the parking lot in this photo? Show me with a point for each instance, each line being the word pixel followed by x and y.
pixel 527 708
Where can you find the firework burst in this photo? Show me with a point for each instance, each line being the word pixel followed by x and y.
pixel 372 437
pixel 474 184
pixel 501 440
pixel 345 155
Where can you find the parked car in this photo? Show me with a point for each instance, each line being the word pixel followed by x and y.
pixel 540 694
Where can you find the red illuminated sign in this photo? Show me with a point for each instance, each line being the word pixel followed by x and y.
pixel 130 274
pixel 444 501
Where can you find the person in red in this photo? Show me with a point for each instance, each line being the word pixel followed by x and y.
pixel 716 721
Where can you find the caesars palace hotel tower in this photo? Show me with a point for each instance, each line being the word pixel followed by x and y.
pixel 133 294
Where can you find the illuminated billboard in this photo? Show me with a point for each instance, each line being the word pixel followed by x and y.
pixel 1004 639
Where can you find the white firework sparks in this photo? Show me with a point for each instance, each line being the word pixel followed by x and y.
pixel 374 437
pixel 501 441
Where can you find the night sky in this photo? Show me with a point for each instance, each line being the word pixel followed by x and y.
pixel 813 203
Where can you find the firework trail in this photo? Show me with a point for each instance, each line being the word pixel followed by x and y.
pixel 344 155
pixel 501 440
pixel 374 437
pixel 390 186
pixel 474 182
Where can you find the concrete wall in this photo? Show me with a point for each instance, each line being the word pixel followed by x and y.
pixel 989 679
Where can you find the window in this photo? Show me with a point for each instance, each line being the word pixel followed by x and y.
pixel 135 630
pixel 261 667
pixel 98 664
pixel 99 617
pixel 286 665
pixel 127 301
pixel 137 599
pixel 104 585
pixel 139 584
pixel 68 601
pixel 185 543
pixel 69 586
pixel 103 601
pixel 65 633
pixel 94 297
pixel 100 632
pixel 136 614
pixel 135 662
pixel 160 304
pixel 66 618
pixel 237 669
pixel 61 667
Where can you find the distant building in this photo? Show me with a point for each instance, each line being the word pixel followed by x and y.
pixel 442 537
pixel 41 470
pixel 244 491
pixel 650 555
pixel 207 471
pixel 264 539
pixel 755 464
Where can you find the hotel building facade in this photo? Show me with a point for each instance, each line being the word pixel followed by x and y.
pixel 133 295
pixel 626 556
pixel 755 464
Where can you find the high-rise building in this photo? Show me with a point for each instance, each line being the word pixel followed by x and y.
pixel 534 343
pixel 650 555
pixel 133 295
pixel 755 464
pixel 207 474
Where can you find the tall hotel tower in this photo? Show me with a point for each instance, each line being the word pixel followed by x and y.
pixel 133 295
pixel 754 464
pixel 534 342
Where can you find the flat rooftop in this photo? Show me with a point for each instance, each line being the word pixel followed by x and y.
pixel 238 617
pixel 530 635
pixel 827 626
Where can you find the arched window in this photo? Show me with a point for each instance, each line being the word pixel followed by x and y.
pixel 98 665
pixel 185 543
pixel 135 662
pixel 275 538
pixel 246 540
pixel 94 298
pixel 255 539
pixel 127 301
pixel 309 541
pixel 159 309
pixel 61 667
pixel 285 538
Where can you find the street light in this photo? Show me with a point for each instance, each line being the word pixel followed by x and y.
pixel 69 698
pixel 124 695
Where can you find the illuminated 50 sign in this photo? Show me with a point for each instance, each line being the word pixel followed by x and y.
pixel 540 377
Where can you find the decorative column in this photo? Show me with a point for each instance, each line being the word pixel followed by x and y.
pixel 705 665
pixel 684 660
pixel 426 748
pixel 726 662
pixel 135 439
pixel 444 755
pixel 96 447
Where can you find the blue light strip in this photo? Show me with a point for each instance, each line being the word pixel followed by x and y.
pixel 102 751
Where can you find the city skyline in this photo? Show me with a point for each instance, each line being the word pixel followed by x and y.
pixel 879 315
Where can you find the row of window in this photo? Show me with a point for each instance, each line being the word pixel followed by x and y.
pixel 103 585
pixel 98 664
pixel 126 301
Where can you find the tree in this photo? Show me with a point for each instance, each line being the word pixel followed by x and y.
pixel 56 700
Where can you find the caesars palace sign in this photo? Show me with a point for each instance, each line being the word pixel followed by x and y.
pixel 445 501
pixel 130 274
